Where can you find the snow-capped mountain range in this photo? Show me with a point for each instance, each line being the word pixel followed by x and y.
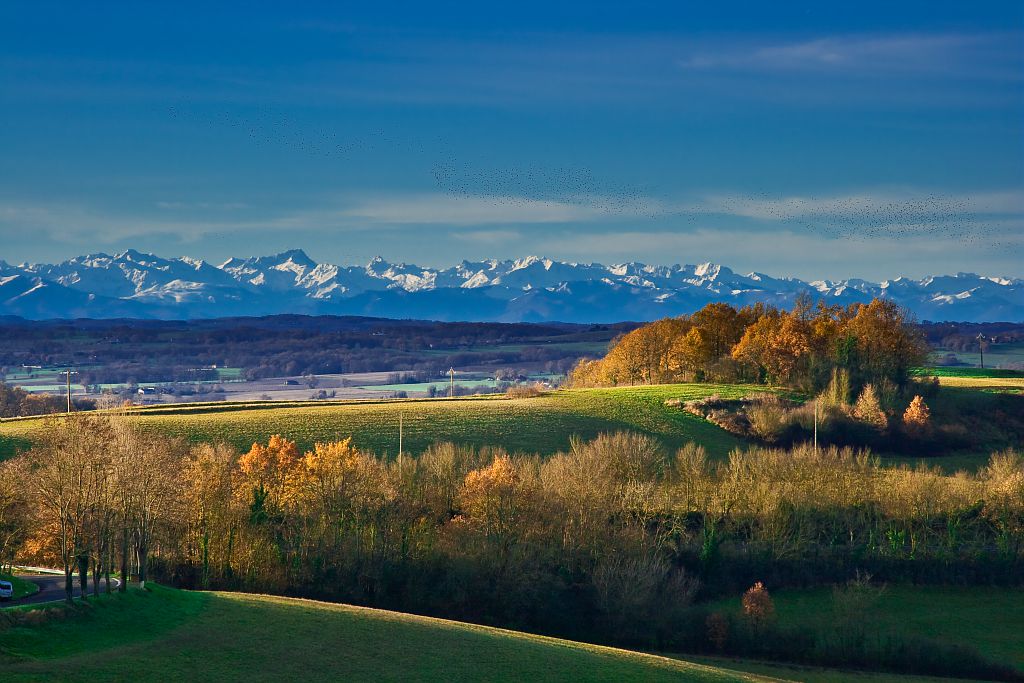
pixel 137 285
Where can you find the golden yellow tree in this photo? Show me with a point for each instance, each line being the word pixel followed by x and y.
pixel 271 470
pixel 917 417
pixel 869 408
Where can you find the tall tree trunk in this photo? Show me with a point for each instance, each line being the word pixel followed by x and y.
pixel 143 560
pixel 69 582
pixel 83 575
pixel 96 577
pixel 123 587
pixel 206 557
pixel 106 564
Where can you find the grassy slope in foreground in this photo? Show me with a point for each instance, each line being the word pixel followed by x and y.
pixel 538 425
pixel 182 635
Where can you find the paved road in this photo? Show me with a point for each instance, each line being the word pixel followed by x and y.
pixel 51 587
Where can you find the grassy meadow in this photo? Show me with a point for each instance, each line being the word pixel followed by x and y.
pixel 988 619
pixel 165 634
pixel 544 424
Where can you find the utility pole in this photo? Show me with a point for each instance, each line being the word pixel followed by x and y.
pixel 815 425
pixel 981 349
pixel 451 373
pixel 400 434
pixel 69 389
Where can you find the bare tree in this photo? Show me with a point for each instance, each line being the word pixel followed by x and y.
pixel 67 472
pixel 13 509
pixel 155 482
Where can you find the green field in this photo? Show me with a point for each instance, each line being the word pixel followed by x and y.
pixel 423 387
pixel 536 425
pixel 991 620
pixel 940 372
pixel 167 634
pixel 987 379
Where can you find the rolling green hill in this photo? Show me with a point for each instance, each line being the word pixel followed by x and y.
pixel 538 425
pixel 181 635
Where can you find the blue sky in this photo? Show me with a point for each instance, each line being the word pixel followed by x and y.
pixel 865 139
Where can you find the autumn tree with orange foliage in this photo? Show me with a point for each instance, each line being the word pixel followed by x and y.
pixel 778 343
pixel 758 606
pixel 492 498
pixel 917 417
pixel 800 348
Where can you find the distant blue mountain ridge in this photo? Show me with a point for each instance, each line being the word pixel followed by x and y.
pixel 533 289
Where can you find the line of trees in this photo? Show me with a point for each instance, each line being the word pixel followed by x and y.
pixel 16 402
pixel 610 541
pixel 88 498
pixel 800 348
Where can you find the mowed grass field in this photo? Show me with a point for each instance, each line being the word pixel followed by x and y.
pixel 544 424
pixel 1013 384
pixel 166 634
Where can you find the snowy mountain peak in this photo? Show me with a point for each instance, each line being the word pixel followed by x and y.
pixel 707 270
pixel 136 284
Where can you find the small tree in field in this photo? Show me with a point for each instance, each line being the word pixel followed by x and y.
pixel 758 607
pixel 869 408
pixel 718 630
pixel 917 418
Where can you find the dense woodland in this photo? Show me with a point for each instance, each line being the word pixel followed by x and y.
pixel 611 541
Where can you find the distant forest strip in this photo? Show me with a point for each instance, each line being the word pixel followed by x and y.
pixel 126 351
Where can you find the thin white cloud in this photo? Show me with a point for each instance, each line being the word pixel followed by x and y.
pixel 852 205
pixel 982 55
pixel 798 254
pixel 227 206
pixel 490 236
pixel 473 210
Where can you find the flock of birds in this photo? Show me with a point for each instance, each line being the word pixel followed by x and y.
pixel 537 183
pixel 854 218
pixel 862 217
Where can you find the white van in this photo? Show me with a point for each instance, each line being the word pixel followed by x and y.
pixel 6 590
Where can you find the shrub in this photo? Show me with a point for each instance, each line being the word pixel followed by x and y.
pixel 768 420
pixel 758 607
pixel 837 393
pixel 523 391
pixel 869 408
pixel 718 630
pixel 736 423
pixel 917 417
